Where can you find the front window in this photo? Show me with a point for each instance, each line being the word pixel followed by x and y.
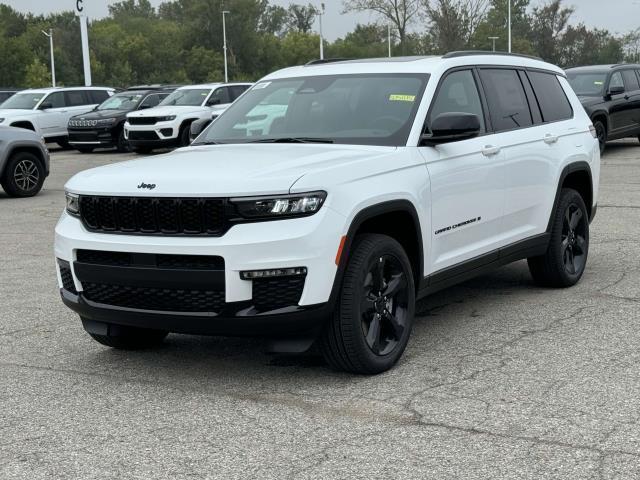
pixel 191 97
pixel 363 109
pixel 24 101
pixel 121 101
pixel 588 84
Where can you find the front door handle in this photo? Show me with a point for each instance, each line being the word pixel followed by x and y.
pixel 549 139
pixel 490 150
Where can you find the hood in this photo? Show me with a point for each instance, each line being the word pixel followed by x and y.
pixel 222 170
pixel 590 101
pixel 16 112
pixel 167 110
pixel 99 114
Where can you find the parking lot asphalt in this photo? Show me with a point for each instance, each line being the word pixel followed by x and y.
pixel 501 379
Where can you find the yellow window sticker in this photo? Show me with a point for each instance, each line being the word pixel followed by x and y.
pixel 401 98
pixel 598 83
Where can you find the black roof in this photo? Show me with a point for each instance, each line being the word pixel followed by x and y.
pixel 468 53
pixel 153 87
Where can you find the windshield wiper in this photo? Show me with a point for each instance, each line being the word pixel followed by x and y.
pixel 293 140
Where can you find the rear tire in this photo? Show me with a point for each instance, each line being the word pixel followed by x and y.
pixel 64 143
pixel 372 322
pixel 566 258
pixel 130 338
pixel 601 134
pixel 23 175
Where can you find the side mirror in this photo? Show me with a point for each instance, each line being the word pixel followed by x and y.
pixel 45 106
pixel 144 107
pixel 451 127
pixel 617 90
pixel 197 127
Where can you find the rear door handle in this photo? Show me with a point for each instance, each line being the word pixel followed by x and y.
pixel 549 139
pixel 490 150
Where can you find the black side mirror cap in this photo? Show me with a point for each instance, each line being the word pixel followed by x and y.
pixel 45 106
pixel 451 127
pixel 617 90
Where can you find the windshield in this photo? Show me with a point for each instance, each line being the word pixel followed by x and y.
pixel 587 84
pixel 121 101
pixel 363 109
pixel 192 97
pixel 23 101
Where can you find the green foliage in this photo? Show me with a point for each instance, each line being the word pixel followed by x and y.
pixel 181 40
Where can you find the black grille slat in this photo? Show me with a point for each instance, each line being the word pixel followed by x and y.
pixel 67 277
pixel 142 120
pixel 134 135
pixel 279 292
pixel 158 299
pixel 161 260
pixel 144 215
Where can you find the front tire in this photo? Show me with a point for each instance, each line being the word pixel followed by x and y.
pixel 566 258
pixel 142 150
pixel 23 175
pixel 130 338
pixel 372 322
pixel 122 145
pixel 85 149
pixel 185 139
pixel 601 134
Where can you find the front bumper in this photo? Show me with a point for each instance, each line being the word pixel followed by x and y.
pixel 97 137
pixel 158 135
pixel 310 242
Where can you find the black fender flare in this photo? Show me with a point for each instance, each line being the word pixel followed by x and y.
pixel 581 166
pixel 400 205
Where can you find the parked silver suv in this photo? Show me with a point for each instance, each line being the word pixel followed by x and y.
pixel 24 161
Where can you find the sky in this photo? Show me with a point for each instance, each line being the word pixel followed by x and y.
pixel 619 16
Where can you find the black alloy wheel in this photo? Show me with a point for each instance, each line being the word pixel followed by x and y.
pixel 24 175
pixel 565 260
pixel 601 134
pixel 370 327
pixel 384 306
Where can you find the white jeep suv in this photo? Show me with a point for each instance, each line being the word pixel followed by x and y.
pixel 168 124
pixel 47 111
pixel 382 181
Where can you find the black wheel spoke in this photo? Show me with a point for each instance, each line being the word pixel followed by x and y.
pixel 575 219
pixel 581 244
pixel 373 335
pixel 378 275
pixel 570 261
pixel 367 305
pixel 395 324
pixel 397 283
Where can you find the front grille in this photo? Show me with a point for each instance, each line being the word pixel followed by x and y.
pixel 159 299
pixel 279 292
pixel 75 136
pixel 142 120
pixel 177 216
pixel 143 135
pixel 66 276
pixel 83 123
pixel 166 261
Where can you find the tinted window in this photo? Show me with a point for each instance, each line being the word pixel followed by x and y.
pixel 237 90
pixel 150 101
pixel 191 97
pixel 55 100
pixel 506 98
pixel 630 80
pixel 76 98
pixel 97 96
pixel 552 100
pixel 219 97
pixel 616 80
pixel 589 84
pixel 458 93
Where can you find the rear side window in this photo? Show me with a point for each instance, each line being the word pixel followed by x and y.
pixel 237 90
pixel 75 98
pixel 630 80
pixel 552 100
pixel 507 101
pixel 96 96
pixel 458 93
pixel 219 96
pixel 151 101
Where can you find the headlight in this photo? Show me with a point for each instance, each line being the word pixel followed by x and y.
pixel 73 203
pixel 166 119
pixel 280 206
pixel 106 121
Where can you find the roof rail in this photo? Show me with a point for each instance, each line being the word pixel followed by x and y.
pixel 468 53
pixel 321 61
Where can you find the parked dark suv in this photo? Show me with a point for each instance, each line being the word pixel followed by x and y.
pixel 611 96
pixel 103 127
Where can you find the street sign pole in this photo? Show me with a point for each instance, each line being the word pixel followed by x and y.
pixel 85 43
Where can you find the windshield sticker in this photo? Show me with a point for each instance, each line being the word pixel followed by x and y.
pixel 261 85
pixel 598 83
pixel 401 98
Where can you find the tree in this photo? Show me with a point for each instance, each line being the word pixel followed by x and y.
pixel 301 17
pixel 132 8
pixel 548 25
pixel 631 45
pixel 37 75
pixel 452 23
pixel 495 22
pixel 274 20
pixel 400 13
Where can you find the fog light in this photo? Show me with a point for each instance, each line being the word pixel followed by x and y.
pixel 276 272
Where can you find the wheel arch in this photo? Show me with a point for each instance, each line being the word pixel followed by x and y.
pixel 577 176
pixel 395 218
pixel 601 115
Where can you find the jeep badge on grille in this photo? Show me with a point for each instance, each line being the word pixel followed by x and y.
pixel 149 186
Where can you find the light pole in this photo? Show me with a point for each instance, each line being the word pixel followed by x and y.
pixel 389 38
pixel 320 14
pixel 493 39
pixel 53 65
pixel 509 23
pixel 224 45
